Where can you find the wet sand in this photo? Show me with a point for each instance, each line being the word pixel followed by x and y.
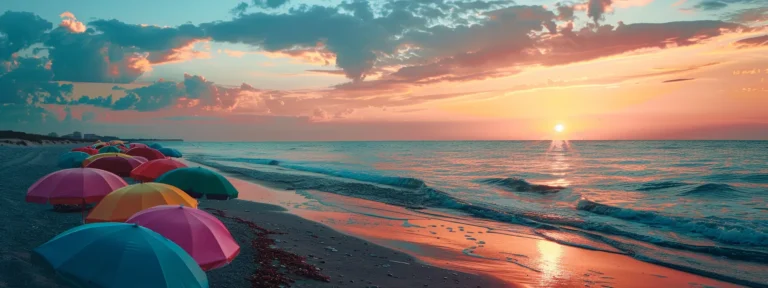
pixel 347 261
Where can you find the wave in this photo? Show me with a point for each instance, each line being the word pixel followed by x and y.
pixel 403 182
pixel 754 178
pixel 519 185
pixel 718 229
pixel 712 190
pixel 651 186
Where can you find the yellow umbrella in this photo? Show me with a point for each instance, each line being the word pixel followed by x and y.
pixel 100 155
pixel 122 203
pixel 116 142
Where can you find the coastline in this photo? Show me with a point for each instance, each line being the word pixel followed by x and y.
pixel 516 258
pixel 349 261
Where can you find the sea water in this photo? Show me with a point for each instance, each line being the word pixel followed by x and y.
pixel 698 206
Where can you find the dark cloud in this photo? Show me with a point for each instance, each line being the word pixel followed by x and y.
pixel 565 12
pixel 29 82
pixel 710 5
pixel 758 41
pixel 194 91
pixel 19 30
pixel 677 80
pixel 597 8
pixel 756 14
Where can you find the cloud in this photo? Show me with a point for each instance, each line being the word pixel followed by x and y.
pixel 29 82
pixel 596 9
pixel 114 51
pixel 88 116
pixel 677 80
pixel 69 22
pixel 758 41
pixel 750 15
pixel 710 5
pixel 19 30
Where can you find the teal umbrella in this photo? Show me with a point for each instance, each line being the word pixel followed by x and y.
pixel 110 149
pixel 118 255
pixel 170 152
pixel 155 146
pixel 199 182
pixel 72 159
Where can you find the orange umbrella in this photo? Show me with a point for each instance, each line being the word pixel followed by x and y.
pixel 122 203
pixel 100 155
pixel 151 170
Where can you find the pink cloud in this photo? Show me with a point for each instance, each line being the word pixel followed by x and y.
pixel 69 21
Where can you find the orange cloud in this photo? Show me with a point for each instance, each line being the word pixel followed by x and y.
pixel 69 21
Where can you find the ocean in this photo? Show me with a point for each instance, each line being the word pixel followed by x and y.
pixel 697 206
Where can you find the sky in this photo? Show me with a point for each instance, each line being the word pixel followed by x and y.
pixel 328 70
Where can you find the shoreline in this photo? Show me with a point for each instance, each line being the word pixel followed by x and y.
pixel 534 261
pixel 350 261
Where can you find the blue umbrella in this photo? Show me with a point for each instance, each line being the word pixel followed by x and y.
pixel 110 149
pixel 118 255
pixel 170 152
pixel 155 146
pixel 72 159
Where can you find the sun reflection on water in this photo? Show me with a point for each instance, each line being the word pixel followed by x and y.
pixel 549 264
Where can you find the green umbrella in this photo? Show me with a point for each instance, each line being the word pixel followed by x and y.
pixel 110 149
pixel 199 182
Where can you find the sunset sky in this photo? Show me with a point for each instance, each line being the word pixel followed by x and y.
pixel 387 69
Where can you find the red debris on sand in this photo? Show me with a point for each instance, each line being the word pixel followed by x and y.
pixel 273 264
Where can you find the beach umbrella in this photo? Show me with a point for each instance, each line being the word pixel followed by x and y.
pixel 74 186
pixel 100 155
pixel 116 142
pixel 138 145
pixel 149 153
pixel 87 149
pixel 119 165
pixel 170 152
pixel 202 235
pixel 120 255
pixel 141 159
pixel 72 159
pixel 200 183
pixel 122 203
pixel 155 146
pixel 99 145
pixel 110 149
pixel 149 171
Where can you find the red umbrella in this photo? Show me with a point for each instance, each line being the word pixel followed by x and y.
pixel 119 165
pixel 138 145
pixel 87 149
pixel 149 171
pixel 149 153
pixel 141 159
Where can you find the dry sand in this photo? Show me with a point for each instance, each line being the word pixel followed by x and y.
pixel 348 261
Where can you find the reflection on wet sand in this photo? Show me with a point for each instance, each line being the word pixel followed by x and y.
pixel 510 252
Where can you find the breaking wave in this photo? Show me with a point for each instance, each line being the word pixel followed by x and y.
pixel 712 190
pixel 519 185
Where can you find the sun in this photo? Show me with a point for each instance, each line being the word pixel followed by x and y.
pixel 559 128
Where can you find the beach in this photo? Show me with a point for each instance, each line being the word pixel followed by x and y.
pixel 347 261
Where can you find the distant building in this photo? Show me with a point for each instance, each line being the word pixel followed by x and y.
pixel 91 137
pixel 108 138
pixel 77 135
pixel 53 134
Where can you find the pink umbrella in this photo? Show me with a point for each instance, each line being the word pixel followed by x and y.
pixel 75 186
pixel 149 153
pixel 138 145
pixel 203 236
pixel 122 166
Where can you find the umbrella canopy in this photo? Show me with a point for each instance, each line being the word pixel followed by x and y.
pixel 200 182
pixel 74 186
pixel 120 255
pixel 100 155
pixel 116 142
pixel 110 149
pixel 99 145
pixel 87 149
pixel 203 236
pixel 72 159
pixel 149 171
pixel 119 165
pixel 137 145
pixel 149 153
pixel 122 203
pixel 170 152
pixel 141 159
pixel 155 146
